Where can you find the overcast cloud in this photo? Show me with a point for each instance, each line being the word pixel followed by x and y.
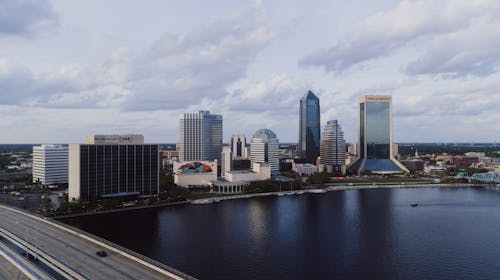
pixel 72 69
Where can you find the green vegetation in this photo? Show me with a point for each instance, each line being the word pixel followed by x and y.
pixel 320 178
pixel 70 208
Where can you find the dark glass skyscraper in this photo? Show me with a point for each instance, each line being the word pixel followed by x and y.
pixel 375 137
pixel 309 128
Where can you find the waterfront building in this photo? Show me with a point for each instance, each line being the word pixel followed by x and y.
pixel 305 168
pixel 238 146
pixel 113 170
pixel 195 173
pixel 50 164
pixel 309 127
pixel 376 152
pixel 414 165
pixel 265 148
pixel 226 160
pixel 333 147
pixel 464 162
pixel 200 137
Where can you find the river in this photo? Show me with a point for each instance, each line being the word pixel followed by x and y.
pixel 453 233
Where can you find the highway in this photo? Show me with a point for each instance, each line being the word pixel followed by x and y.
pixel 74 251
pixel 9 271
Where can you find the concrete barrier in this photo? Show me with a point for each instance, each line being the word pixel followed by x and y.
pixel 134 256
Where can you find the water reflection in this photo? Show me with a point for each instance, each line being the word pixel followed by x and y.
pixel 357 234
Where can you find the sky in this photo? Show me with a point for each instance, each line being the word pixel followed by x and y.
pixel 73 68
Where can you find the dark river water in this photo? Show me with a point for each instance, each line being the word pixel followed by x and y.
pixel 454 233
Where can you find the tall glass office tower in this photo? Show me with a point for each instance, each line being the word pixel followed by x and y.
pixel 309 128
pixel 375 137
pixel 200 136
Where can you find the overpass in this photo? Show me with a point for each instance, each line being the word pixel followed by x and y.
pixel 70 253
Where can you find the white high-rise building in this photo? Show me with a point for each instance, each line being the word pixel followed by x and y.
pixel 333 149
pixel 265 148
pixel 238 146
pixel 50 164
pixel 226 160
pixel 200 136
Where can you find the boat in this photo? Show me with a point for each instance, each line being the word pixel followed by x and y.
pixel 317 191
pixel 300 192
pixel 280 194
pixel 202 201
pixel 217 200
pixel 290 193
pixel 414 204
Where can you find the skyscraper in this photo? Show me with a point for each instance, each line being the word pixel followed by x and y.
pixel 200 136
pixel 265 148
pixel 309 128
pixel 238 146
pixel 375 137
pixel 333 148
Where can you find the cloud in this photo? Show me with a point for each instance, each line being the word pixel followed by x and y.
pixel 412 24
pixel 473 51
pixel 278 93
pixel 26 17
pixel 175 71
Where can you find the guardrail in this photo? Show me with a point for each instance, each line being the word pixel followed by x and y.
pixel 134 256
pixel 20 264
pixel 57 265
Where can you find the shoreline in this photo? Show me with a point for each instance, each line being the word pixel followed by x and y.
pixel 327 188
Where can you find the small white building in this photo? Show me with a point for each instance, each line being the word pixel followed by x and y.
pixel 50 164
pixel 261 171
pixel 305 168
pixel 434 169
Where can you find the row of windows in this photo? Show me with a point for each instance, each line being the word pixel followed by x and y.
pixel 107 169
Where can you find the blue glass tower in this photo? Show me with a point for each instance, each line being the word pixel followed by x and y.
pixel 309 128
pixel 375 137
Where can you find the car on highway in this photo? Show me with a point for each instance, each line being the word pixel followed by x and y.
pixel 101 253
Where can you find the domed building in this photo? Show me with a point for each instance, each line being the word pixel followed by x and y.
pixel 265 148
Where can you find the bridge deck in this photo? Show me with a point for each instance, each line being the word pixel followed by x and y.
pixel 78 253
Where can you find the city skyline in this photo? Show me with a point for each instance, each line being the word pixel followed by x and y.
pixel 137 71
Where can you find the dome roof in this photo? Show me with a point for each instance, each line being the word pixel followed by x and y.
pixel 264 133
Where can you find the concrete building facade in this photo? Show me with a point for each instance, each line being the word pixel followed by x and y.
pixel 265 148
pixel 333 147
pixel 50 164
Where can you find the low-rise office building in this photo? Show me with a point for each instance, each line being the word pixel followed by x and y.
pixel 305 168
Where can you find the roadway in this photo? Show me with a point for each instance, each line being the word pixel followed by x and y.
pixel 74 251
pixel 8 271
